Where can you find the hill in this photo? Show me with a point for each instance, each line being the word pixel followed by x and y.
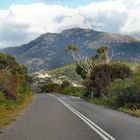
pixel 67 71
pixel 48 50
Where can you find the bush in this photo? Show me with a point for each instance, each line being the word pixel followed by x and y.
pixel 65 84
pixel 51 87
pixel 80 71
pixel 73 91
pixel 3 100
pixel 125 93
pixel 12 76
pixel 138 68
pixel 102 75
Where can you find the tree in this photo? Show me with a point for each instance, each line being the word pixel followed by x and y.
pixel 85 63
pixel 73 50
pixel 103 54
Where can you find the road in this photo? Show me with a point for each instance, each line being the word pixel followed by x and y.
pixel 61 117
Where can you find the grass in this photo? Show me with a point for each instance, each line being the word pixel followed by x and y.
pixel 133 112
pixel 12 109
pixel 103 102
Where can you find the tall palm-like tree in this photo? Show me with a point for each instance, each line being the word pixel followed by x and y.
pixel 73 50
pixel 103 52
pixel 83 61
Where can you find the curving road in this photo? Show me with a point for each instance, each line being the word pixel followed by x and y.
pixel 61 117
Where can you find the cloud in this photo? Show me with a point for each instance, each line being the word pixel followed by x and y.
pixel 22 23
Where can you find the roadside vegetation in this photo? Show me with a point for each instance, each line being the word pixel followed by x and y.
pixel 15 92
pixel 103 81
pixel 64 88
pixel 107 82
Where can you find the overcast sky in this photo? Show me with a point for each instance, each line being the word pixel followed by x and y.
pixel 23 20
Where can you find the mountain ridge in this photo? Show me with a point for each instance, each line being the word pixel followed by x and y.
pixel 48 50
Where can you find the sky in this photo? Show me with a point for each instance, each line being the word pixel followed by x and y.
pixel 4 4
pixel 24 20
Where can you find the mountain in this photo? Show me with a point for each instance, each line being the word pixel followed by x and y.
pixel 48 50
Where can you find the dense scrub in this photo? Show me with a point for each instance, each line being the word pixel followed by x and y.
pixel 64 88
pixel 115 84
pixel 124 93
pixel 13 77
pixel 50 87
pixel 73 91
pixel 14 84
pixel 15 92
pixel 104 74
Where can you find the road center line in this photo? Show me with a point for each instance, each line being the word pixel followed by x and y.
pixel 91 124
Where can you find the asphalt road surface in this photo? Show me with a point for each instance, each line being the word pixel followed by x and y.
pixel 61 117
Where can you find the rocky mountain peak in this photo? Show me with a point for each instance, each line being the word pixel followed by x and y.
pixel 73 31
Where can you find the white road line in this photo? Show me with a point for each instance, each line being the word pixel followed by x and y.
pixel 91 124
pixel 75 97
pixel 52 95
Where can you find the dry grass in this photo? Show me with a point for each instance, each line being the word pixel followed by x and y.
pixel 135 113
pixel 9 114
pixel 131 112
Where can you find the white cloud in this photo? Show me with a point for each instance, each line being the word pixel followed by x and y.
pixel 22 23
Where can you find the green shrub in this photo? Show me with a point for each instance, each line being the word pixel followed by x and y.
pixel 138 68
pixel 80 71
pixel 65 84
pixel 12 76
pixel 125 93
pixel 51 87
pixel 73 91
pixel 102 75
pixel 136 72
pixel 3 100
